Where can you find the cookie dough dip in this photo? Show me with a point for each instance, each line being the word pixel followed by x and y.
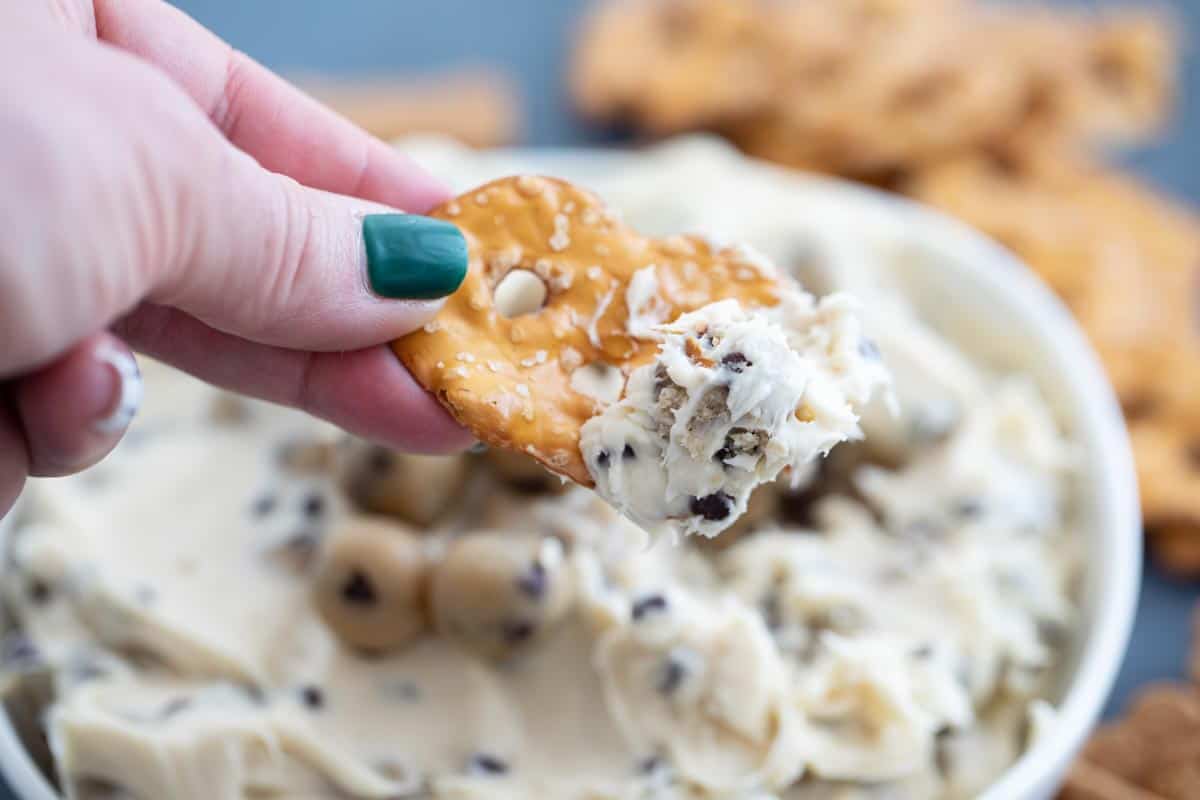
pixel 241 603
pixel 727 372
pixel 733 398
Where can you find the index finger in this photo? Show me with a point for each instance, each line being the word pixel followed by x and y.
pixel 285 130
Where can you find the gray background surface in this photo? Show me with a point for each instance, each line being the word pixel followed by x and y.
pixel 529 40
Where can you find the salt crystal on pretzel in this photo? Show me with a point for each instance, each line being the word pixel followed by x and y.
pixel 730 371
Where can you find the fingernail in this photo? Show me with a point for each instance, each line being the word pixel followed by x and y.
pixel 413 257
pixel 129 390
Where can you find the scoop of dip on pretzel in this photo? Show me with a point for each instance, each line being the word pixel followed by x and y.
pixel 671 375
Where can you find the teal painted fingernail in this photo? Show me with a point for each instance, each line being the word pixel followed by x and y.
pixel 413 257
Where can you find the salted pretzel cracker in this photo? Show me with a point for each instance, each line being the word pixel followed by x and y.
pixel 510 380
pixel 1127 262
pixel 872 88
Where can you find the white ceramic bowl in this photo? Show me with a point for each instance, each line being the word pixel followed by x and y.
pixel 967 284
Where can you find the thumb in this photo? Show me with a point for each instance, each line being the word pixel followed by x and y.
pixel 269 260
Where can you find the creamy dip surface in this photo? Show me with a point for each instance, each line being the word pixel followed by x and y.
pixel 240 603
pixel 733 399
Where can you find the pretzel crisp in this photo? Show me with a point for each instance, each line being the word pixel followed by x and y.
pixel 509 380
pixel 865 88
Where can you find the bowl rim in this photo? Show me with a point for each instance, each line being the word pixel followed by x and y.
pixel 1094 410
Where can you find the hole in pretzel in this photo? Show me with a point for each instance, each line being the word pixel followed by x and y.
pixel 599 381
pixel 519 292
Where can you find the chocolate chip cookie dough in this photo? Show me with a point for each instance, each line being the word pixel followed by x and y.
pixel 733 399
pixel 225 617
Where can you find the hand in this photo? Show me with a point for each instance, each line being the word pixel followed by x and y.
pixel 162 190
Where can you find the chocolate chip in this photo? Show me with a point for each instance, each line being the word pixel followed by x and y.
pixel 602 459
pixel 408 691
pixel 868 349
pixel 264 505
pixel 942 757
pixel 650 765
pixel 1052 633
pixel 739 442
pixel 674 672
pixel 314 506
pixel 629 453
pixel 18 650
pixel 40 592
pixel 86 672
pixel 772 611
pixel 174 707
pixel 968 508
pixel 653 603
pixel 923 529
pixel 534 581
pixel 737 362
pixel 254 694
pixel 89 788
pixel 712 507
pixel 313 697
pixel 487 764
pixel 380 461
pixel 358 589
pixel 518 631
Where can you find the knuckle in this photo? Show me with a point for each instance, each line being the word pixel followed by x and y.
pixel 226 112
pixel 288 247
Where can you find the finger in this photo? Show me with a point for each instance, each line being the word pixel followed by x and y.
pixel 280 264
pixel 74 15
pixel 366 392
pixel 284 129
pixel 14 456
pixel 175 213
pixel 74 411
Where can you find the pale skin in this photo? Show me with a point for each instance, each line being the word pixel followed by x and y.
pixel 162 192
